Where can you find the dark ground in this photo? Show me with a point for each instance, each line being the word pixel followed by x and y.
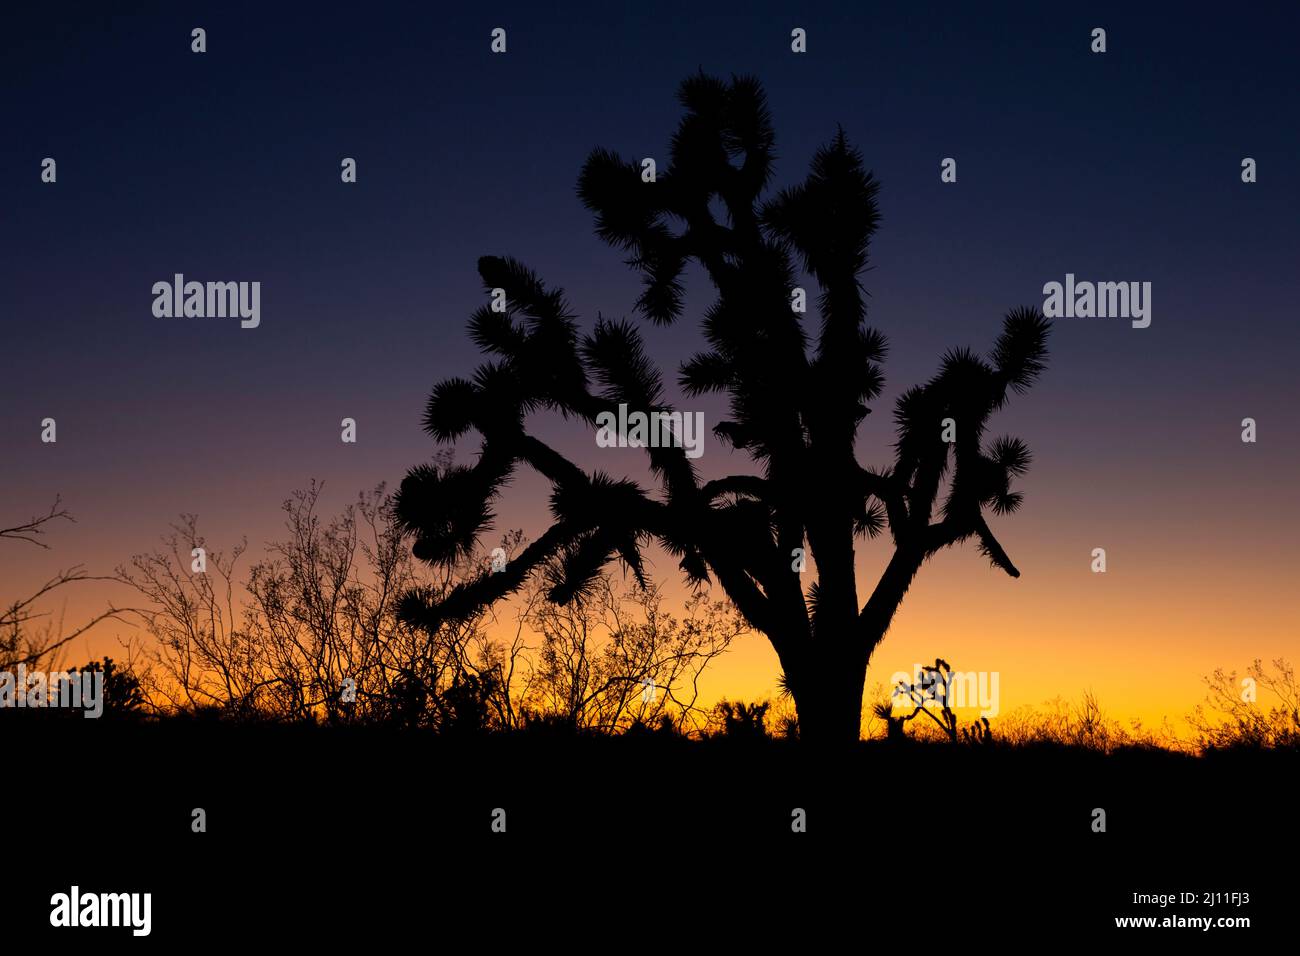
pixel 353 837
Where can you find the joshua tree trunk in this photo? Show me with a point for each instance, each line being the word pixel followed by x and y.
pixel 829 704
pixel 829 681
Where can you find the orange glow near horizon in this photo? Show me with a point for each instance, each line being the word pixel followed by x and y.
pixel 1189 587
pixel 1141 637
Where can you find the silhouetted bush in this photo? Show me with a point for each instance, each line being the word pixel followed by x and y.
pixel 744 722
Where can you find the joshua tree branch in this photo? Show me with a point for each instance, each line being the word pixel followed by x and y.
pixel 993 549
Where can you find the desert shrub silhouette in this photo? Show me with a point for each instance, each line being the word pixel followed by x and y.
pixel 1266 717
pixel 123 696
pixel 744 722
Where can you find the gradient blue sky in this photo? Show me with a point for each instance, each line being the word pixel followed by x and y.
pixel 225 166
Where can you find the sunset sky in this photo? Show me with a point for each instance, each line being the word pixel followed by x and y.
pixel 1123 166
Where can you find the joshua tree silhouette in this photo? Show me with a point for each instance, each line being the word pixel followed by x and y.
pixel 795 408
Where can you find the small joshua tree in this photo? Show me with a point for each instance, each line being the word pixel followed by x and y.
pixel 933 686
